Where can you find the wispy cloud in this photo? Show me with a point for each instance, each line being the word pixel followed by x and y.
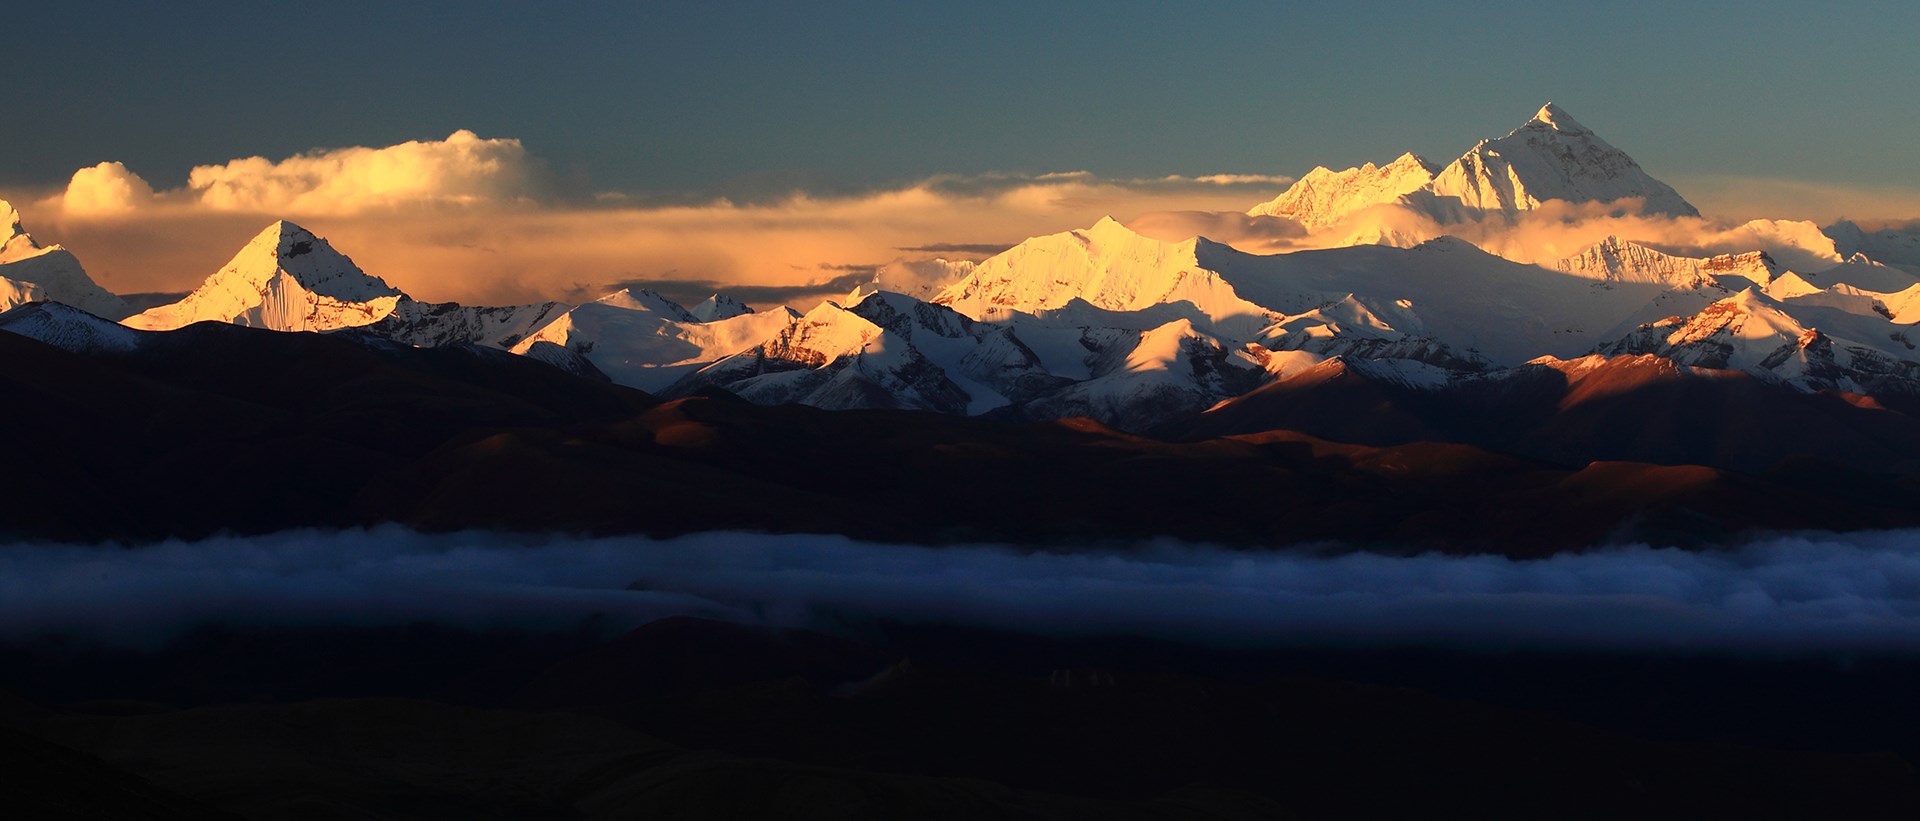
pixel 1744 198
pixel 692 291
pixel 974 248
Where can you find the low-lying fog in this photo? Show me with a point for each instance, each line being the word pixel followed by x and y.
pixel 1793 592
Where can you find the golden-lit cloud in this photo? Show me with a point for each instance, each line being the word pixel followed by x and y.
pixel 467 219
pixel 1745 198
pixel 473 219
pixel 107 188
pixel 461 169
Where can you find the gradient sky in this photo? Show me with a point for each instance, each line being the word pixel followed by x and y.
pixel 675 98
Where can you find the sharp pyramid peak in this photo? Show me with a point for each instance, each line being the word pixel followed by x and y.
pixel 1109 229
pixel 1556 118
pixel 284 230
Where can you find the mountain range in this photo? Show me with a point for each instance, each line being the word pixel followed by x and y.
pixel 1397 328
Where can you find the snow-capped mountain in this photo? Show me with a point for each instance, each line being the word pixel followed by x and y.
pixel 1323 197
pixel 30 272
pixel 1168 371
pixel 432 324
pixel 1551 157
pixel 1484 307
pixel 834 358
pixel 285 279
pixel 641 339
pixel 1617 260
pixel 1757 334
pixel 1132 330
pixel 1111 268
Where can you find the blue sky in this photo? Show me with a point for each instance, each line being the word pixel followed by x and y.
pixel 673 98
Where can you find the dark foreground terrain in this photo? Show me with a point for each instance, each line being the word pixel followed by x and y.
pixel 218 428
pixel 696 719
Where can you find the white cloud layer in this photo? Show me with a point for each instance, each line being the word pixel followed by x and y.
pixel 1807 592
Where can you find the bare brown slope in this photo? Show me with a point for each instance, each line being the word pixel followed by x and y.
pixel 1628 408
pixel 706 463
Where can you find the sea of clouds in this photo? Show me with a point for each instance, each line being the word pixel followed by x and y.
pixel 1813 592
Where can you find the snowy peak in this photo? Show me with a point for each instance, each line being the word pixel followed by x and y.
pixel 30 272
pixel 1324 197
pixel 718 307
pixel 285 279
pixel 310 261
pixel 1550 157
pixel 13 237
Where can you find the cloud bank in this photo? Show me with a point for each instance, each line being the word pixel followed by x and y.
pixel 480 220
pixel 1806 592
pixel 461 169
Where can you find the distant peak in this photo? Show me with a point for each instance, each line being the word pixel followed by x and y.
pixel 9 221
pixel 635 298
pixel 718 307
